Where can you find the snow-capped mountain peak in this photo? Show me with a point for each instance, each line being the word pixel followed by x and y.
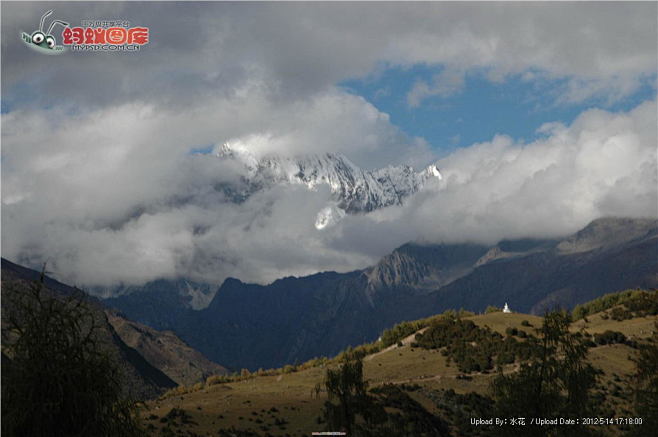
pixel 433 170
pixel 353 189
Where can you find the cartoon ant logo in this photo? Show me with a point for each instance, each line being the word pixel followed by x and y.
pixel 45 42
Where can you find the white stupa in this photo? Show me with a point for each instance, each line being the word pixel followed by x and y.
pixel 506 309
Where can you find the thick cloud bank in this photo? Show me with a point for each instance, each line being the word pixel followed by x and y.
pixel 603 164
pixel 301 48
pixel 100 177
pixel 102 205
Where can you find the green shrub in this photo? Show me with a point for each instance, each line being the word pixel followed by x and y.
pixel 472 348
pixel 620 313
pixel 638 302
pixel 609 337
pixel 217 379
pixel 400 331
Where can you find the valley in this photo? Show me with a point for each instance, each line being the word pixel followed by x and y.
pixel 253 361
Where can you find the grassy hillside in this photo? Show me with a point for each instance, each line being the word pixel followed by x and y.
pixel 282 402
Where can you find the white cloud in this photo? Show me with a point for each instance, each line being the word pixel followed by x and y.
pixel 603 164
pixel 295 50
pixel 333 122
pixel 444 84
pixel 104 206
pixel 102 184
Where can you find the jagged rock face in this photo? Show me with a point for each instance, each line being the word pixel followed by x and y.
pixel 607 232
pixel 424 267
pixel 354 190
pixel 397 268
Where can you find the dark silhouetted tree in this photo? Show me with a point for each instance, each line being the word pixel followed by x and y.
pixel 646 388
pixel 57 377
pixel 352 409
pixel 347 393
pixel 555 382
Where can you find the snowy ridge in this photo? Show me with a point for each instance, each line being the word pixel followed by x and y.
pixel 353 189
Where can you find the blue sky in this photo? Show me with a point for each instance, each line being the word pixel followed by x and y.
pixel 481 108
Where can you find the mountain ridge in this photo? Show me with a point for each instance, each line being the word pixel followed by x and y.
pixel 353 189
pixel 294 319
